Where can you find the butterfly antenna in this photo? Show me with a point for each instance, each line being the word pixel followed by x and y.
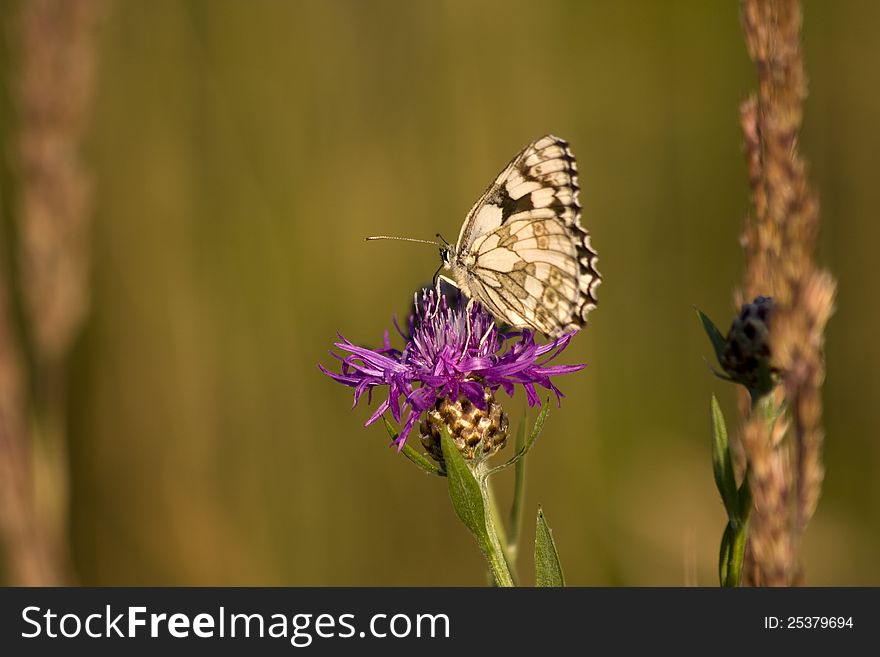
pixel 400 239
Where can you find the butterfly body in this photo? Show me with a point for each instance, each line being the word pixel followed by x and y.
pixel 522 252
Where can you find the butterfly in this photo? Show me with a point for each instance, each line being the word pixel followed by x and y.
pixel 522 252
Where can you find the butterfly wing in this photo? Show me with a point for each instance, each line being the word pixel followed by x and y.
pixel 522 249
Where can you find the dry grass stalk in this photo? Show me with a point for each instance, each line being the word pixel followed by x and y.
pixel 52 91
pixel 779 241
pixel 29 559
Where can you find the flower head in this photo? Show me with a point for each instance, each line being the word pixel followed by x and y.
pixel 441 359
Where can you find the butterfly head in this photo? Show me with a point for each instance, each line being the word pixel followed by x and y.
pixel 445 255
pixel 445 250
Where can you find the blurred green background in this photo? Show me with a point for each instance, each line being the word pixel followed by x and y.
pixel 243 150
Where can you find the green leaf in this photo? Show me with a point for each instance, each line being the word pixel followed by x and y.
pixel 722 464
pixel 715 336
pixel 422 461
pixel 413 455
pixel 390 429
pixel 539 426
pixel 464 491
pixel 548 571
pixel 722 376
pixel 536 431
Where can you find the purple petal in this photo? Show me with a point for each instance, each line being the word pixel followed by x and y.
pixel 377 413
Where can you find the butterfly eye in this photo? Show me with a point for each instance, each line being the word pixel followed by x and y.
pixel 444 255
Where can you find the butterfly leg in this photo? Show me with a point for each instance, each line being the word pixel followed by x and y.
pixel 486 334
pixel 467 339
pixel 470 304
pixel 436 297
pixel 438 279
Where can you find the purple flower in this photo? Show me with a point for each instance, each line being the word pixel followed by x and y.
pixel 440 360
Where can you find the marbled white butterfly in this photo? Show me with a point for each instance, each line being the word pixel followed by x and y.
pixel 522 252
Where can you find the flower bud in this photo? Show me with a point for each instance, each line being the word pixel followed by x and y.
pixel 746 357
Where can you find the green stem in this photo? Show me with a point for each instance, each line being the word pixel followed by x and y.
pixel 472 500
pixel 516 509
pixel 736 535
pixel 494 525
pixel 494 547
